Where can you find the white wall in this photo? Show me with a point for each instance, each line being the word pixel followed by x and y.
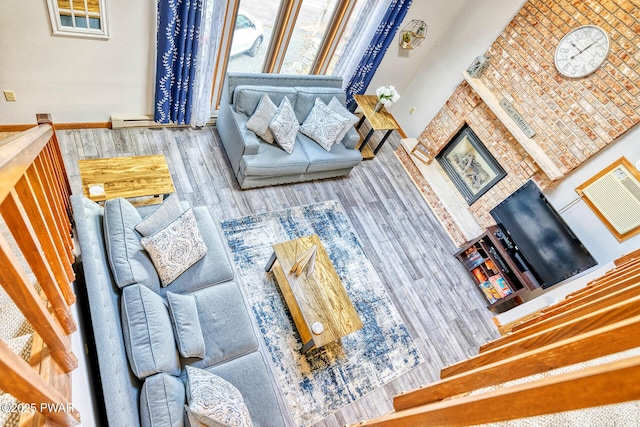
pixel 585 224
pixel 435 67
pixel 76 79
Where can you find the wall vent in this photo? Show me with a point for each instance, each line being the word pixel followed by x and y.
pixel 614 195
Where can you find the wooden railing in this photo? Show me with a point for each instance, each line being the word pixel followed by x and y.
pixel 599 320
pixel 34 203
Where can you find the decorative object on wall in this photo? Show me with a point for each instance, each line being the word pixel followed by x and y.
pixel 387 95
pixel 517 118
pixel 79 19
pixel 478 66
pixel 614 195
pixel 374 53
pixel 178 27
pixel 413 34
pixel 470 166
pixel 582 51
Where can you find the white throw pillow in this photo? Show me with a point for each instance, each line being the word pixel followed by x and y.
pixel 323 125
pixel 176 247
pixel 214 401
pixel 285 126
pixel 259 121
pixel 352 119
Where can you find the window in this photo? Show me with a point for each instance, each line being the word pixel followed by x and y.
pixel 78 17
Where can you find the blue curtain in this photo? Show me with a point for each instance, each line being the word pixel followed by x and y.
pixel 178 32
pixel 374 53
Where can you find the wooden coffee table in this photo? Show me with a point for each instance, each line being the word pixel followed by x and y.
pixel 128 177
pixel 319 298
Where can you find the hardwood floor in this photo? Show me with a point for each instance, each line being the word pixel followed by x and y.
pixel 411 252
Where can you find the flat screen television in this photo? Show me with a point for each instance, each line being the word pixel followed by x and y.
pixel 541 236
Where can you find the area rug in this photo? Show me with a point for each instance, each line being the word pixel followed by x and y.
pixel 326 379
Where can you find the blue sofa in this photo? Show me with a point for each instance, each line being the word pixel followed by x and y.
pixel 256 163
pixel 229 336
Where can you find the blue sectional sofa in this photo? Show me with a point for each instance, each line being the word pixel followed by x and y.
pixel 256 163
pixel 230 343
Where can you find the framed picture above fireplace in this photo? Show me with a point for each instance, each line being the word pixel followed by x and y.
pixel 470 165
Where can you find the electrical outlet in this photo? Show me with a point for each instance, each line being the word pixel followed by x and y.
pixel 412 110
pixel 9 95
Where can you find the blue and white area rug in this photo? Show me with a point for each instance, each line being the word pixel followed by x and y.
pixel 326 379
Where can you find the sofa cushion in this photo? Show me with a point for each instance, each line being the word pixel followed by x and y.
pixel 261 118
pixel 339 157
pixel 323 125
pixel 186 325
pixel 307 97
pixel 284 126
pixel 273 161
pixel 214 401
pixel 129 261
pixel 226 325
pixel 352 119
pixel 162 401
pixel 176 247
pixel 167 212
pixel 250 375
pixel 145 327
pixel 247 97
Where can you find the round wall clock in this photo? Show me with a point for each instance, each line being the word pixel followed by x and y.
pixel 582 51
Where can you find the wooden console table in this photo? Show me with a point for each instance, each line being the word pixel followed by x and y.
pixel 381 120
pixel 319 298
pixel 128 177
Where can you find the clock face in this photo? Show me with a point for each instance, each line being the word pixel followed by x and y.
pixel 582 51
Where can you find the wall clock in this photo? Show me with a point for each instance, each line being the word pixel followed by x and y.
pixel 582 51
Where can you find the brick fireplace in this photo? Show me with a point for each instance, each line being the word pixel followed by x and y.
pixel 573 118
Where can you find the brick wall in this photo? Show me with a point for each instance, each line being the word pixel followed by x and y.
pixel 573 119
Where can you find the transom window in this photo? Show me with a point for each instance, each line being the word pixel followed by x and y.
pixel 78 17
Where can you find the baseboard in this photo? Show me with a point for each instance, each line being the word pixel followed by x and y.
pixel 145 121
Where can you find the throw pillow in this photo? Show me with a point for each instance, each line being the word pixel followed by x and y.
pixel 259 121
pixel 323 125
pixel 168 212
pixel 186 325
pixel 176 247
pixel 214 401
pixel 285 126
pixel 352 119
pixel 145 322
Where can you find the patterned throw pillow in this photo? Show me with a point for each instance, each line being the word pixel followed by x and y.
pixel 176 247
pixel 352 119
pixel 285 126
pixel 323 125
pixel 259 121
pixel 214 401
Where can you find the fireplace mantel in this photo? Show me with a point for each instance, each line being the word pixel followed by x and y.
pixel 539 156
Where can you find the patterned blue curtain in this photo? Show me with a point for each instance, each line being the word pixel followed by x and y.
pixel 374 53
pixel 178 32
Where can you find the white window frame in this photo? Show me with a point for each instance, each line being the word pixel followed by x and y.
pixel 61 30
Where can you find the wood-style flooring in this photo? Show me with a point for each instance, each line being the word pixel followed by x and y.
pixel 410 250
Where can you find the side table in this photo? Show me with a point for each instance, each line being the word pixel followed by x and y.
pixel 379 121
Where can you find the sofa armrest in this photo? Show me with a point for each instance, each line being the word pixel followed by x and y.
pixel 351 139
pixel 235 138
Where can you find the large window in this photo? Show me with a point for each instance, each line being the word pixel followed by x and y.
pixel 252 35
pixel 78 17
pixel 289 37
pixel 309 30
